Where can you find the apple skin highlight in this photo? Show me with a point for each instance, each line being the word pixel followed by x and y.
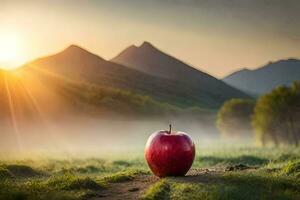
pixel 169 153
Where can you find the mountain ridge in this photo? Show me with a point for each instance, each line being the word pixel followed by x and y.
pixel 151 60
pixel 79 64
pixel 147 47
pixel 265 78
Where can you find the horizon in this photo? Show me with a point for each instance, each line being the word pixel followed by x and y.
pixel 216 37
pixel 87 49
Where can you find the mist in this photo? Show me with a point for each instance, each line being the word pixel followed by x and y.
pixel 83 135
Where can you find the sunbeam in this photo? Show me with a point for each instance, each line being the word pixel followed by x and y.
pixel 59 139
pixel 12 112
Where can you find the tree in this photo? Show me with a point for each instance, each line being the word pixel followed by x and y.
pixel 277 116
pixel 234 117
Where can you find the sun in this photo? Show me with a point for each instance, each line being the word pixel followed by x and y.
pixel 11 55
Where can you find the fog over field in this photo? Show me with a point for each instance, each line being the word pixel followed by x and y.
pixel 86 135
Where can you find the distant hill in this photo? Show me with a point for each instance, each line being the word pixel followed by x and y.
pixel 31 94
pixel 94 99
pixel 78 64
pixel 149 59
pixel 265 78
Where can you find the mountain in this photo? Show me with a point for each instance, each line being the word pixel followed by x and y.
pixel 265 78
pixel 78 64
pixel 149 59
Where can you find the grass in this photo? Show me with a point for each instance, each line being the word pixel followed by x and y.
pixel 33 189
pixel 160 190
pixel 22 171
pixel 260 185
pixel 292 168
pixel 5 174
pixel 72 182
pixel 122 176
pixel 186 191
pixel 229 186
pixel 266 173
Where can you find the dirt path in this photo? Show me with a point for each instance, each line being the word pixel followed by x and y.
pixel 126 190
pixel 135 188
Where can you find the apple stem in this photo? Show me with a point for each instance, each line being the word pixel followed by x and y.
pixel 170 128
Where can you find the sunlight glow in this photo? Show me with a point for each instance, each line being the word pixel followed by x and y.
pixel 24 97
pixel 13 113
pixel 11 55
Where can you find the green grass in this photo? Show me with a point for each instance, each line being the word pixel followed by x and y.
pixel 273 173
pixel 33 189
pixel 122 176
pixel 186 191
pixel 72 182
pixel 5 174
pixel 160 190
pixel 229 186
pixel 22 171
pixel 292 168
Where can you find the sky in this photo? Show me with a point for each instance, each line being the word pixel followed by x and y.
pixel 215 36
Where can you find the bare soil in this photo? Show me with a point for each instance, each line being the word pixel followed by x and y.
pixel 132 189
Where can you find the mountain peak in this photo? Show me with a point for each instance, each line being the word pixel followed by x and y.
pixel 146 45
pixel 131 47
pixel 74 47
pixel 75 50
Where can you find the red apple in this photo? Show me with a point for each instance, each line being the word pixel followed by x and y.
pixel 169 153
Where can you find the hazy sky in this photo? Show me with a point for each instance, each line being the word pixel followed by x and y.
pixel 216 36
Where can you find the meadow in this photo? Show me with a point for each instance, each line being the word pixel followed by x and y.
pixel 224 172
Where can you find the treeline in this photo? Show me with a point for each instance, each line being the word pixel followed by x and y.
pixel 94 99
pixel 274 117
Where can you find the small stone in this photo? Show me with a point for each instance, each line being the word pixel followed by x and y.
pixel 133 189
pixel 236 167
